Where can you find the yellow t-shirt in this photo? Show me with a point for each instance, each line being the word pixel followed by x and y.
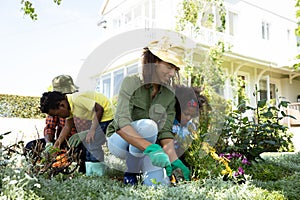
pixel 82 105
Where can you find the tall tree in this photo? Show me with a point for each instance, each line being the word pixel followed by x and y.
pixel 29 10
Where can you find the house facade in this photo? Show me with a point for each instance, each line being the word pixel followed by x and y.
pixel 261 35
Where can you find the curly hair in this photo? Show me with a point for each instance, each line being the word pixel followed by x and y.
pixel 51 100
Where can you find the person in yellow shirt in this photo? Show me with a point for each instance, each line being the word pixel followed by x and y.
pixel 91 106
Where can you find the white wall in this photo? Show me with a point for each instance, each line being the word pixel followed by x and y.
pixel 281 16
pixel 290 91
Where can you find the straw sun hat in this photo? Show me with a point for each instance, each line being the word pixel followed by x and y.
pixel 168 52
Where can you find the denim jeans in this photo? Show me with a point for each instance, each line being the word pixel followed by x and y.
pixel 94 151
pixel 136 161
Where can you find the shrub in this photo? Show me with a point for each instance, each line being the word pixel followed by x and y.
pixel 289 188
pixel 267 171
pixel 15 183
pixel 252 136
pixel 20 106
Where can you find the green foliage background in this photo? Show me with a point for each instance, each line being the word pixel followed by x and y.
pixel 20 106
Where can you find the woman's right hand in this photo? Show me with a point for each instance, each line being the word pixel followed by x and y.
pixel 157 156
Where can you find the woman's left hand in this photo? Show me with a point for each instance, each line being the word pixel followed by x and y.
pixel 185 170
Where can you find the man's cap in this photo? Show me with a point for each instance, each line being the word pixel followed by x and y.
pixel 64 84
pixel 168 52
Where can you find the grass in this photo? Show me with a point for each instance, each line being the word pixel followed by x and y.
pixel 104 188
pixel 15 184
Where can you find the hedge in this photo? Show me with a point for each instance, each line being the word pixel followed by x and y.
pixel 20 106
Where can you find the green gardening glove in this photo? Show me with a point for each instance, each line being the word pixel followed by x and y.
pixel 77 138
pixel 185 171
pixel 169 170
pixel 157 155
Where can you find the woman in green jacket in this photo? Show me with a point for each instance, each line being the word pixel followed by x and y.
pixel 141 131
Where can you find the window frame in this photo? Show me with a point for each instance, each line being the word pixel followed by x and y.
pixel 265 30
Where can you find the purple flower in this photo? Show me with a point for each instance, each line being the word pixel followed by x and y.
pixel 236 155
pixel 229 156
pixel 245 161
pixel 241 171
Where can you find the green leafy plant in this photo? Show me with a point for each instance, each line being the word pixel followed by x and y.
pixel 252 136
pixel 15 183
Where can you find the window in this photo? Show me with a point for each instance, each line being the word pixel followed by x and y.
pixel 265 30
pixel 242 88
pixel 118 78
pixel 298 40
pixel 153 8
pixel 267 90
pixel 137 11
pixel 288 34
pixel 116 23
pixel 127 18
pixel 232 23
pixel 263 90
pixel 109 84
pixel 147 10
pixel 105 89
pixel 98 83
pixel 272 91
pixel 219 21
pixel 207 19
pixel 132 69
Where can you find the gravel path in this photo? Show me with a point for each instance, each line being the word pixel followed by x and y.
pixel 21 129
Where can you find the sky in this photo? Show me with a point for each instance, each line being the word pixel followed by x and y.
pixel 32 53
